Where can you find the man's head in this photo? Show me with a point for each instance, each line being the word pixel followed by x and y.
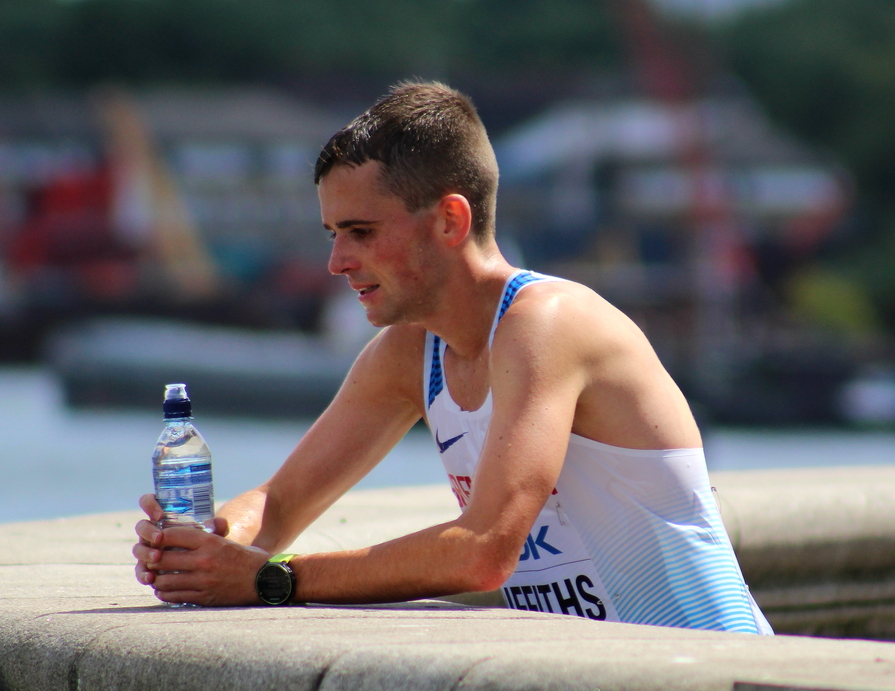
pixel 430 142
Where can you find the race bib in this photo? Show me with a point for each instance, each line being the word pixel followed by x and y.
pixel 555 573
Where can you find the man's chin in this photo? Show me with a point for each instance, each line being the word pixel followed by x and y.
pixel 379 320
pixel 383 320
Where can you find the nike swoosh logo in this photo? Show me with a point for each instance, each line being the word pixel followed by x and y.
pixel 445 445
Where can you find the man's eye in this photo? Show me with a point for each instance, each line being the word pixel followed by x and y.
pixel 354 232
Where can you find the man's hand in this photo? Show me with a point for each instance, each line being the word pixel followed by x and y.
pixel 190 565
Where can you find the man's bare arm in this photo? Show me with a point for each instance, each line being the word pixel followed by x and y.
pixel 373 410
pixel 534 394
pixel 339 449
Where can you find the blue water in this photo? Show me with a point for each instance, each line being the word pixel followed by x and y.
pixel 57 462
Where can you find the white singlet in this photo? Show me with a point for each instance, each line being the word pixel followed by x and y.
pixel 627 535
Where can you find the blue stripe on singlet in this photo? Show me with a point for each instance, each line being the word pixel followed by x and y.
pixel 513 287
pixel 436 378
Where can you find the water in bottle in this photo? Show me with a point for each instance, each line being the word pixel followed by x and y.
pixel 181 466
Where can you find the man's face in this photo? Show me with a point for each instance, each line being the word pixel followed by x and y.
pixel 387 253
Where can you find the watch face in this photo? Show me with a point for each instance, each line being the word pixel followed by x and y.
pixel 274 583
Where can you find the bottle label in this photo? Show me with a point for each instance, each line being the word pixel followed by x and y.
pixel 185 491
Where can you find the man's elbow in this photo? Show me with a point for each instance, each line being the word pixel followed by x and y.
pixel 490 569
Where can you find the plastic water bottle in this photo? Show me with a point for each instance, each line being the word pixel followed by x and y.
pixel 181 466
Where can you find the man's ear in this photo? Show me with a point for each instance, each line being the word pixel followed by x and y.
pixel 456 217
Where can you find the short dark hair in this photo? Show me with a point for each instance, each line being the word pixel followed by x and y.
pixel 431 142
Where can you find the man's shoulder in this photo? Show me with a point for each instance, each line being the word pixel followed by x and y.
pixel 389 367
pixel 565 313
pixel 561 299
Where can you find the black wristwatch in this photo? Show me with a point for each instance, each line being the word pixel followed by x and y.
pixel 275 582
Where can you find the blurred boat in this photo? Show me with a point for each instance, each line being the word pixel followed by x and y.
pixel 125 362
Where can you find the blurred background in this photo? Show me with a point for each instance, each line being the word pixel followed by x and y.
pixel 721 170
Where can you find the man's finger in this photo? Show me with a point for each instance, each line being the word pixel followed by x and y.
pixel 144 575
pixel 151 507
pixel 178 597
pixel 146 553
pixel 148 533
pixel 221 526
pixel 188 538
pixel 179 561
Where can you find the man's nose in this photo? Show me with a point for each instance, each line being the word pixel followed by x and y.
pixel 341 259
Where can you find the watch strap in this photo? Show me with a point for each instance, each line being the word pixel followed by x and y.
pixel 281 559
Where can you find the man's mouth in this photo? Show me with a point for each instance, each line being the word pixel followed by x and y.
pixel 367 290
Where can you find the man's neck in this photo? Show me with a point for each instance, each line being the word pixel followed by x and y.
pixel 468 304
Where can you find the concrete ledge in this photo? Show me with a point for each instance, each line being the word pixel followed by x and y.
pixel 788 525
pixel 73 617
pixel 817 546
pixel 127 642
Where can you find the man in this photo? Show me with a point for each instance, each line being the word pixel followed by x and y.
pixel 574 456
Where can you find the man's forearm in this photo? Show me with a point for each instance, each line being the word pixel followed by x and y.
pixel 442 560
pixel 243 514
pixel 257 518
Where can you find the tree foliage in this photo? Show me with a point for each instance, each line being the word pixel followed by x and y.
pixel 826 70
pixel 83 41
